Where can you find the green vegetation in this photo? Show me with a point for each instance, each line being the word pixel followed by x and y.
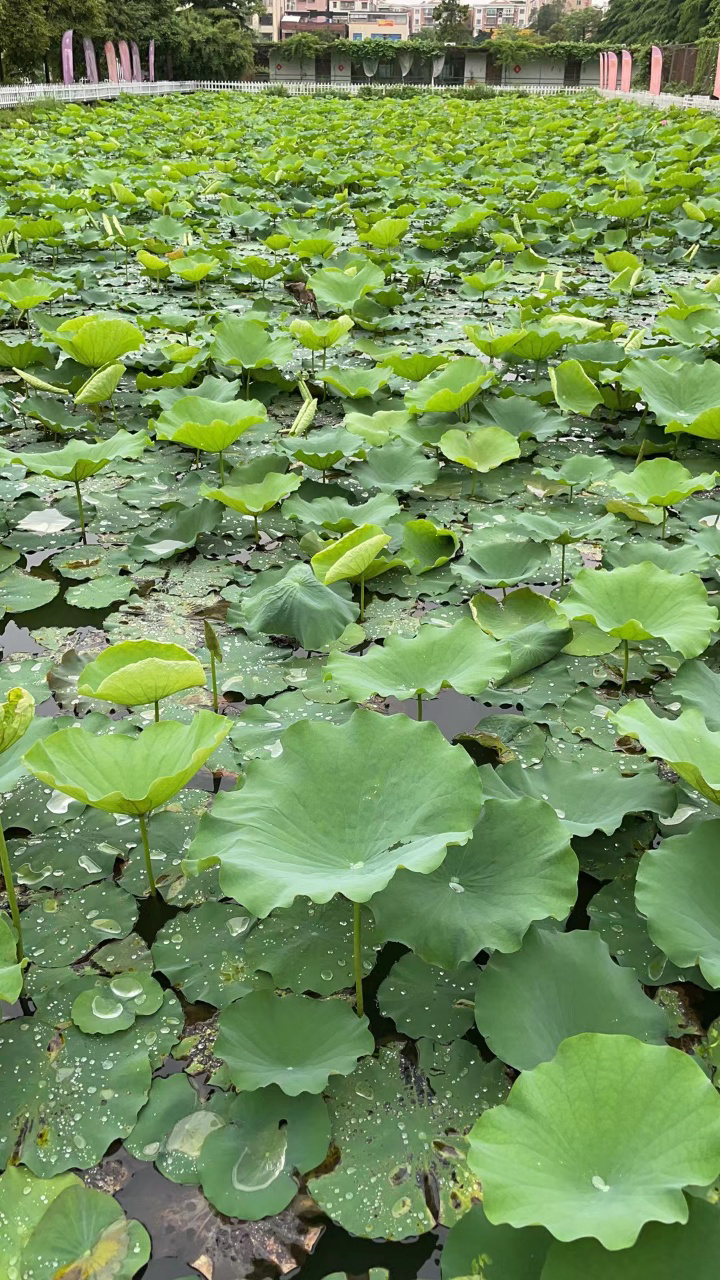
pixel 360 703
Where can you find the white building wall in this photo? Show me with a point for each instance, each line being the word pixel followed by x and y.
pixel 475 64
pixel 340 69
pixel 541 71
pixel 590 72
pixel 282 68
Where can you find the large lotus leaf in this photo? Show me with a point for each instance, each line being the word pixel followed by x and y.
pixel 660 1252
pixel 307 947
pixel 400 1131
pixel 354 555
pixel 683 559
pixel 255 670
pixel 256 731
pixel 356 383
pixel 97 340
pixel 20 592
pixel 425 546
pixel 53 1226
pixel 474 1246
pixel 178 532
pixel 480 898
pixel 678 890
pixel 173 1126
pixel 121 774
pixel 558 985
pixel 85 1233
pixel 530 624
pixel 396 467
pixel 29 292
pixel 57 931
pixel 492 559
pixel 253 499
pixel 318 335
pixel 203 953
pixel 77 460
pixel 67 1096
pixel 16 714
pixel 206 424
pixel 338 811
pixel 643 603
pixel 137 672
pixel 322 450
pixel 246 1167
pixel 423 1000
pixel 239 340
pixel 686 744
pixel 292 1041
pixel 449 388
pixel 377 428
pixel 480 450
pixel 573 390
pixel 338 514
pixel 682 396
pixel 523 417
pixel 587 799
pixel 11 979
pixel 297 604
pixel 341 289
pixel 579 471
pixel 615 917
pixel 461 657
pixel 599 1141
pixel 660 482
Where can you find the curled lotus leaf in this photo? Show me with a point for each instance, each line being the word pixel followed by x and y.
pixel 77 460
pixel 137 672
pixel 482 450
pixel 338 811
pixel 643 602
pixel 450 387
pixel 294 1042
pixel 462 657
pixel 97 340
pixel 661 482
pixel 660 1252
pixel 686 744
pixel 678 889
pixel 16 714
pixel 253 499
pixel 212 425
pixel 297 604
pixel 121 774
pixel 599 1141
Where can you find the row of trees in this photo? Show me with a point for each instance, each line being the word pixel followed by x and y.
pixel 660 22
pixel 204 38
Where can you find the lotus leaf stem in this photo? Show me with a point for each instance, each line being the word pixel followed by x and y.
pixel 419 706
pixel 626 661
pixel 157 712
pixel 146 853
pixel 664 522
pixel 357 958
pixel 563 549
pixel 213 677
pixel 362 597
pixel 222 467
pixel 80 511
pixel 10 891
pixel 257 530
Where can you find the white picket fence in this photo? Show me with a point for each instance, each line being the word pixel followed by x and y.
pixel 19 95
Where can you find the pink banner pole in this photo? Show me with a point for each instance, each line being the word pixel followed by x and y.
pixel 656 64
pixel 151 60
pixel 626 71
pixel 91 70
pixel 136 66
pixel 111 61
pixel 125 66
pixel 600 81
pixel 716 87
pixel 66 49
pixel 612 71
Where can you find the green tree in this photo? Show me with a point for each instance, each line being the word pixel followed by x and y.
pixel 24 38
pixel 547 16
pixel 451 21
pixel 583 24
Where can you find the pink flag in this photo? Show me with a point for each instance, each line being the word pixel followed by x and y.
pixel 151 60
pixel 612 71
pixel 111 61
pixel 91 70
pixel 125 60
pixel 716 86
pixel 67 57
pixel 626 71
pixel 136 67
pixel 656 64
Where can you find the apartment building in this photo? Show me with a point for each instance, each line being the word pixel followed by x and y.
pixel 388 19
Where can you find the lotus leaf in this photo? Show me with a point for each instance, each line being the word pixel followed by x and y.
pixel 173 1126
pixel 11 974
pixel 297 604
pixel 210 425
pixel 686 744
pixel 599 1141
pixel 461 657
pixel 425 546
pixel 253 499
pixel 356 555
pixel 242 341
pixel 396 467
pixel 204 953
pixel 643 603
pixel 660 1253
pixel 422 1000
pixel 246 1167
pixel 21 592
pixel 480 450
pixel 121 774
pixel 292 1041
pixel 573 390
pixel 478 899
pixel 661 483
pixel 683 397
pixel 280 836
pixel 318 335
pixel 115 1003
pixel 306 947
pixel 558 985
pixel 474 1242
pixel 397 1126
pixel 494 560
pixel 97 340
pixel 60 930
pixel 137 672
pixel 677 890
pixel 449 388
pixel 77 460
pixel 341 289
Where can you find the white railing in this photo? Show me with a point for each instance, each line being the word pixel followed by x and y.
pixel 20 94
pixel 23 94
pixel 664 101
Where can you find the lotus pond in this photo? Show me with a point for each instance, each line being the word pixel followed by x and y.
pixel 360 721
